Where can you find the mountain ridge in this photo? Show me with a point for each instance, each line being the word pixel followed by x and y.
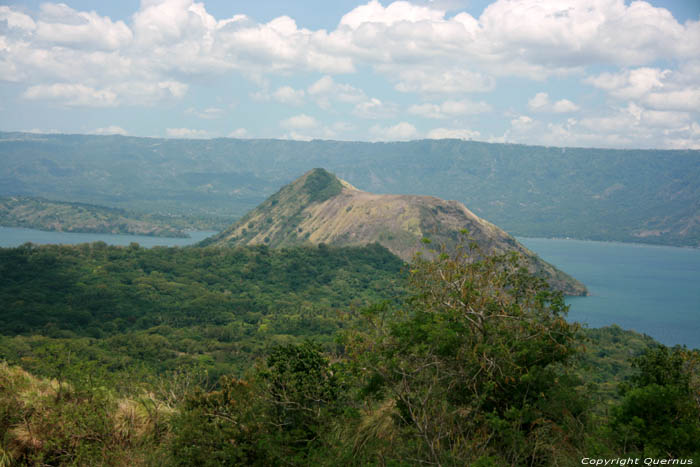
pixel 318 207
pixel 645 195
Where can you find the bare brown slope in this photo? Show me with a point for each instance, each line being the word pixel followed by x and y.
pixel 320 208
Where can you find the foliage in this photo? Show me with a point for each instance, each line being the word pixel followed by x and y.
pixel 124 308
pixel 278 417
pixel 477 366
pixel 659 415
pixel 48 422
pixel 43 214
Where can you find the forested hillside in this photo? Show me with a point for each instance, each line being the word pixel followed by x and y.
pixel 318 207
pixel 601 194
pixel 319 356
pixel 166 307
pixel 42 214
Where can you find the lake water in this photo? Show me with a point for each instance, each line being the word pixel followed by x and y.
pixel 14 236
pixel 650 289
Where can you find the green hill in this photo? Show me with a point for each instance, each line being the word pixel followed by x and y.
pixel 42 214
pixel 320 208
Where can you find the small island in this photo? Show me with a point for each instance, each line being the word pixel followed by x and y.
pixel 43 214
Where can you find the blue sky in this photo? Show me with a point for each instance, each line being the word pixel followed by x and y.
pixel 602 73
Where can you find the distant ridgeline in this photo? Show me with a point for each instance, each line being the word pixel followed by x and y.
pixel 43 214
pixel 601 194
pixel 319 208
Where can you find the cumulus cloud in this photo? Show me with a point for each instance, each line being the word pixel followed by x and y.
pixel 326 89
pixel 289 95
pixel 630 84
pixel 630 126
pixel 400 132
pixel 374 108
pixel 450 133
pixel 299 122
pixel 60 24
pixel 72 94
pixel 422 48
pixel 16 20
pixel 238 133
pixel 78 58
pixel 540 103
pixel 110 130
pixel 187 133
pixel 654 88
pixel 449 109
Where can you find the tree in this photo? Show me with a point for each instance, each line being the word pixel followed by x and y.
pixel 277 417
pixel 475 368
pixel 659 415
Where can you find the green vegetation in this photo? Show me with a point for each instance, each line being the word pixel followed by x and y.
pixel 319 208
pixel 321 185
pixel 160 308
pixel 42 214
pixel 659 413
pixel 598 194
pixel 319 356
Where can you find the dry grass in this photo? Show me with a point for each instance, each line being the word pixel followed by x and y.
pixel 47 422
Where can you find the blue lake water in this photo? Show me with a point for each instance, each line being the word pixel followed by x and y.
pixel 650 289
pixel 14 236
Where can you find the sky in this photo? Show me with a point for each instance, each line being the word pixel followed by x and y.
pixel 576 73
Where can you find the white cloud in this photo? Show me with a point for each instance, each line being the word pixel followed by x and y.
pixel 654 88
pixel 289 95
pixel 418 47
pixel 60 24
pixel 16 19
pixel 375 109
pixel 72 95
pixel 52 131
pixel 400 132
pixel 79 58
pixel 442 80
pixel 449 133
pixel 684 99
pixel 570 32
pixel 326 90
pixel 630 84
pixel 299 122
pixel 396 12
pixel 624 127
pixel 110 130
pixel 238 133
pixel 540 103
pixel 564 106
pixel 314 132
pixel 187 133
pixel 449 109
pixel 522 123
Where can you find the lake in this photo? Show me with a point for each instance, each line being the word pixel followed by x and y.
pixel 15 236
pixel 651 289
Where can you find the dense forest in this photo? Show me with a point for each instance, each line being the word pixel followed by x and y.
pixel 531 191
pixel 319 356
